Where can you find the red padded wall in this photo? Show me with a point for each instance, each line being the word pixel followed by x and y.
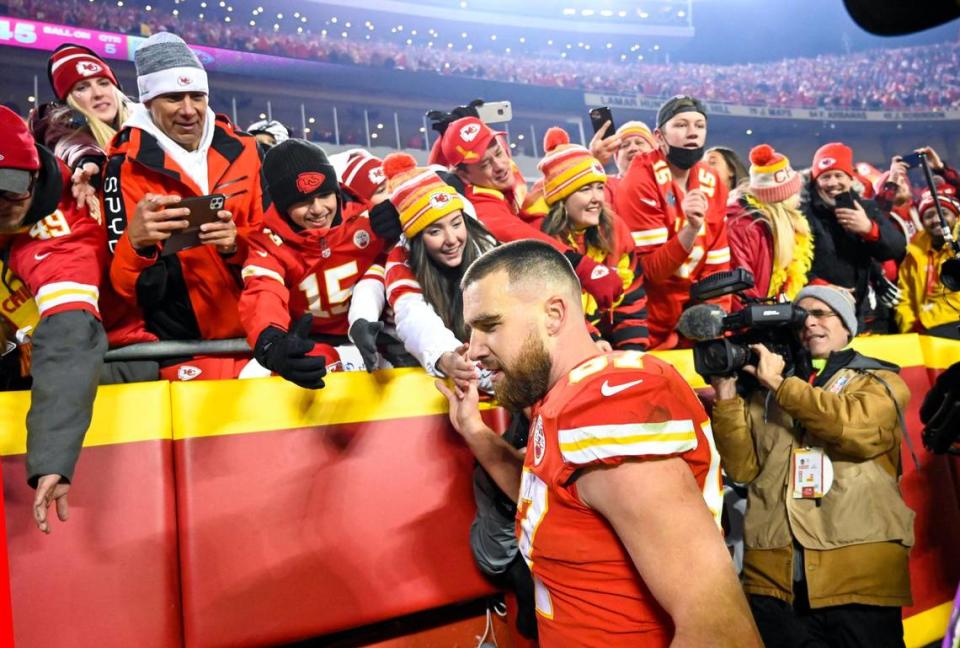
pixel 934 495
pixel 6 613
pixel 296 533
pixel 107 577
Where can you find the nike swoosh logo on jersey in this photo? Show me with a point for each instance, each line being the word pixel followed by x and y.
pixel 41 257
pixel 611 390
pixel 650 201
pixel 263 254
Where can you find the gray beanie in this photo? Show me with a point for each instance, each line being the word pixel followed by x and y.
pixel 166 65
pixel 838 299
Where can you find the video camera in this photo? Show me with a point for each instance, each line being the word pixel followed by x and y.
pixel 759 322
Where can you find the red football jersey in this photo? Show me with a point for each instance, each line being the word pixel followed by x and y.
pixel 62 257
pixel 648 200
pixel 290 273
pixel 614 407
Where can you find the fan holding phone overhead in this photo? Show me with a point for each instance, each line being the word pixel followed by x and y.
pixel 851 234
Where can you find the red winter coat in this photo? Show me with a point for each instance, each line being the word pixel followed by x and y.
pixel 193 294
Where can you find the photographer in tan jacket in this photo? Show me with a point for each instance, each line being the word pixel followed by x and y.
pixel 827 533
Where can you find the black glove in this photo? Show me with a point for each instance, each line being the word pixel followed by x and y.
pixel 454 181
pixel 286 354
pixel 364 335
pixel 385 221
pixel 888 293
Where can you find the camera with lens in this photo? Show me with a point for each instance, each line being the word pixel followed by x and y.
pixel 723 339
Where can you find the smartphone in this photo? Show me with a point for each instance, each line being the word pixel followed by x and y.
pixel 203 209
pixel 495 112
pixel 844 200
pixel 599 117
pixel 912 160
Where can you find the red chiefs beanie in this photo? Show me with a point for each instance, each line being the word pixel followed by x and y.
pixel 832 156
pixel 360 172
pixel 297 170
pixel 18 153
pixel 72 63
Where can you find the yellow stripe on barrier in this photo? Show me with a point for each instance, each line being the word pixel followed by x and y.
pixel 926 627
pixel 939 353
pixel 121 414
pixel 219 407
pixel 143 411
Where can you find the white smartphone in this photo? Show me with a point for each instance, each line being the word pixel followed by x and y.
pixel 495 112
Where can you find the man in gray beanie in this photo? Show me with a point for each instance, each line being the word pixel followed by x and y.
pixel 172 148
pixel 826 532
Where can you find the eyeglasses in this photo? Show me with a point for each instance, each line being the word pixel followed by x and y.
pixel 818 314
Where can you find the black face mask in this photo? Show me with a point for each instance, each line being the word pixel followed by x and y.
pixel 684 158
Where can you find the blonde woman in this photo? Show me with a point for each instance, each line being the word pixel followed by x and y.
pixel 769 235
pixel 89 110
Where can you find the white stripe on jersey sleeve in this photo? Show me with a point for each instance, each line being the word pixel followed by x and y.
pixel 258 271
pixel 595 442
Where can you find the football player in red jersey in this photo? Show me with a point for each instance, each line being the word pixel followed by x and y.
pixel 676 208
pixel 303 265
pixel 620 477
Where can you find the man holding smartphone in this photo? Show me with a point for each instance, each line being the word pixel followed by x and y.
pixel 175 148
pixel 850 234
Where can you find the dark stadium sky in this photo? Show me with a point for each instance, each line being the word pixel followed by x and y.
pixel 742 31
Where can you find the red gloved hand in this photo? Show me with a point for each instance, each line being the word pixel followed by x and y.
pixel 601 281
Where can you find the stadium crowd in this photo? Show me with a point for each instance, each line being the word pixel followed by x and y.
pixel 157 220
pixel 922 77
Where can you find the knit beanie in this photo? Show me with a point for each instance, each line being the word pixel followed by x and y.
pixel 166 65
pixel 838 299
pixel 679 104
pixel 70 64
pixel 947 197
pixel 297 170
pixel 271 127
pixel 566 167
pixel 19 157
pixel 832 156
pixel 772 179
pixel 419 194
pixel 636 129
pixel 360 173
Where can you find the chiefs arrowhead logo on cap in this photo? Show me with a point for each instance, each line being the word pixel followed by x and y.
pixel 439 199
pixel 598 169
pixel 88 68
pixel 469 132
pixel 376 176
pixel 310 181
pixel 184 81
pixel 826 162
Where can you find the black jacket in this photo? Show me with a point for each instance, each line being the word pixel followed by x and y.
pixel 842 258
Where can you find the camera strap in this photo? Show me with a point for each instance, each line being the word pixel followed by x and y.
pixel 903 422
